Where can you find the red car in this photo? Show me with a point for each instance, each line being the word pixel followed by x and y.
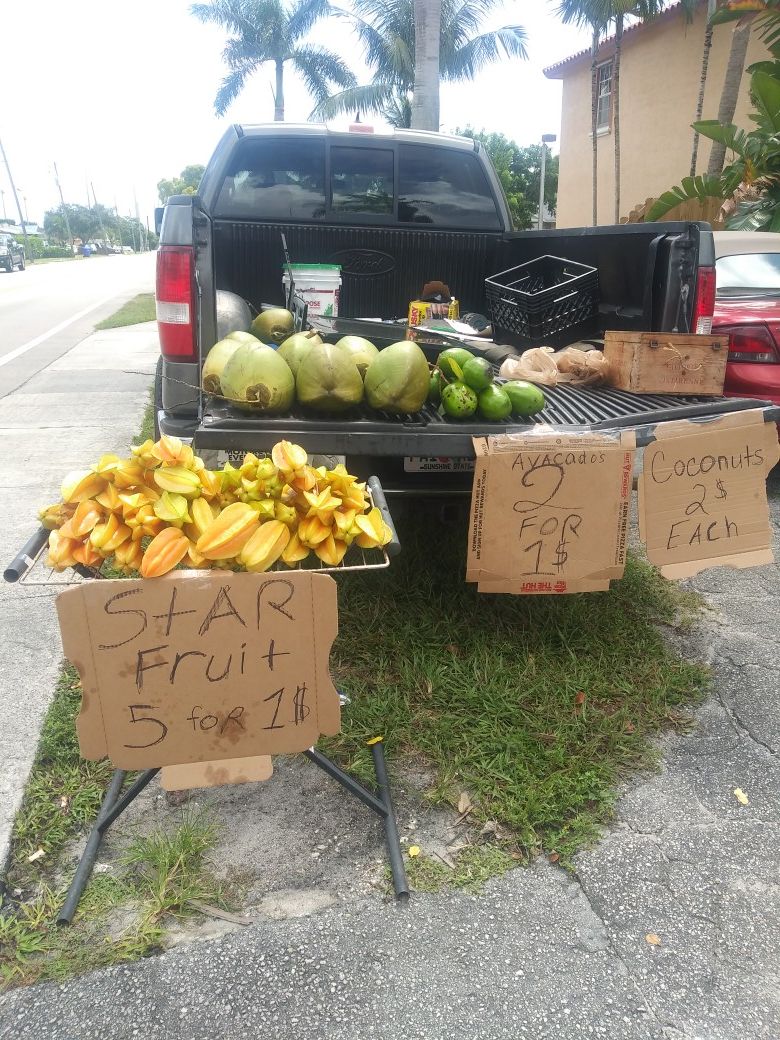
pixel 747 309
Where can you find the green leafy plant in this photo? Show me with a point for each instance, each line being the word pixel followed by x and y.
pixel 750 185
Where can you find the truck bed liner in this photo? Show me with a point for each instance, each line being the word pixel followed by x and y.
pixel 364 431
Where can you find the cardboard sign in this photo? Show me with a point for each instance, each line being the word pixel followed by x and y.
pixel 549 512
pixel 216 774
pixel 202 666
pixel 702 494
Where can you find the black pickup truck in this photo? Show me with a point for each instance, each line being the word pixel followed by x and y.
pixel 395 211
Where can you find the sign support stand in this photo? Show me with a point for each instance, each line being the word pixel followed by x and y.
pixel 113 806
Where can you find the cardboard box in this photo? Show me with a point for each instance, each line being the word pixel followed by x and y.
pixel 419 310
pixel 666 362
pixel 702 494
pixel 550 512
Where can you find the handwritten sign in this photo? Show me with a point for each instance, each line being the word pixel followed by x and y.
pixel 702 494
pixel 202 666
pixel 549 512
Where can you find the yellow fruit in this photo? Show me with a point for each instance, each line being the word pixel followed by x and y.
pixel 202 514
pixel 331 551
pixel 168 449
pixel 373 530
pixel 226 536
pixel 179 480
pixel 87 555
pixel 52 517
pixel 285 513
pixel 288 457
pixel 294 551
pixel 210 483
pixel 312 531
pixel 128 474
pixel 172 509
pixel 78 486
pixel 88 513
pixel 60 551
pixel 322 504
pixel 109 499
pixel 265 546
pixel 164 552
pixel 264 508
pixel 343 519
pixel 305 479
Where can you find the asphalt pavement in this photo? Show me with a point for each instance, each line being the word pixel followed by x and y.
pixel 48 308
pixel 64 401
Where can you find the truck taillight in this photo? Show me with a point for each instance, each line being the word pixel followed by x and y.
pixel 753 343
pixel 176 302
pixel 704 304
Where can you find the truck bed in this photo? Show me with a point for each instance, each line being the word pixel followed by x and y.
pixel 366 432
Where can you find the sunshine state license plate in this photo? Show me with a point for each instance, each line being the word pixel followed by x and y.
pixel 433 464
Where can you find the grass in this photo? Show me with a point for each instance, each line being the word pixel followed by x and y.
pixel 146 432
pixel 159 874
pixel 473 867
pixel 535 706
pixel 121 916
pixel 140 308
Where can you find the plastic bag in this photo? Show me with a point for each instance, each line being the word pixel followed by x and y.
pixel 546 367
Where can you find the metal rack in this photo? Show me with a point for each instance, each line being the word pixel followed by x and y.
pixel 28 567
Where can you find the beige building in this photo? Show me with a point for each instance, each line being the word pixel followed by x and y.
pixel 660 72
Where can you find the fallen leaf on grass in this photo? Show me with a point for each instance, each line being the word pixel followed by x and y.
pixel 414 850
pixel 629 727
pixel 464 803
pixel 579 698
pixel 454 649
pixel 553 857
pixel 64 802
pixel 35 856
pixel 741 797
pixel 653 939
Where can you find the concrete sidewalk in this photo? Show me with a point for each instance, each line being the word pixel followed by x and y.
pixel 88 402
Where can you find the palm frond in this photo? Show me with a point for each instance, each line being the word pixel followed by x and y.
pixel 229 89
pixel 508 42
pixel 370 97
pixel 320 69
pixel 706 186
pixel 304 15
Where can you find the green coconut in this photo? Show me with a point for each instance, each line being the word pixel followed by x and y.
pixel 217 358
pixel 295 348
pixel 362 351
pixel 328 379
pixel 399 379
pixel 273 325
pixel 242 337
pixel 257 379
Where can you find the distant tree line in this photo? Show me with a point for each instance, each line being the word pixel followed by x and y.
pixel 96 223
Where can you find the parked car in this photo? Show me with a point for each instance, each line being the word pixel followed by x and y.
pixel 11 253
pixel 747 309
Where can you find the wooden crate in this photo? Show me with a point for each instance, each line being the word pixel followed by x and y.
pixel 666 362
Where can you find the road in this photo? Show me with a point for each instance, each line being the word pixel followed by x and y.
pixel 66 397
pixel 49 308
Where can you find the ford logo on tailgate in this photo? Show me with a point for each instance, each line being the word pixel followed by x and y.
pixel 363 262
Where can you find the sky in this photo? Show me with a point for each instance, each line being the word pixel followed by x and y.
pixel 122 95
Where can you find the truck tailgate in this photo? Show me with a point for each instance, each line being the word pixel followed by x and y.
pixel 365 432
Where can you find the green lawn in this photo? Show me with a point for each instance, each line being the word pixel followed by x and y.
pixel 535 706
pixel 140 308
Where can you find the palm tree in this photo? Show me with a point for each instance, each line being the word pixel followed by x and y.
pixel 730 90
pixel 386 30
pixel 427 37
pixel 273 31
pixel 705 61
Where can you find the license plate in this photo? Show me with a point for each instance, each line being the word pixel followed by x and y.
pixel 433 464
pixel 235 456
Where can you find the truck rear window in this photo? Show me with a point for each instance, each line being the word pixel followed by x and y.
pixel 284 179
pixel 275 179
pixel 445 188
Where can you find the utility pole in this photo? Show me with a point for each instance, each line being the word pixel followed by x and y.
pixel 27 251
pixel 64 210
pixel 141 248
pixel 2 195
pixel 545 139
pixel 100 218
pixel 118 225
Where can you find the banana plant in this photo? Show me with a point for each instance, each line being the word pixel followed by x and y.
pixel 749 186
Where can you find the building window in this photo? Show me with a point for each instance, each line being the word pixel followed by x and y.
pixel 604 96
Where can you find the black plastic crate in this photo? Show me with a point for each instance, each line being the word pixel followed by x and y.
pixel 546 301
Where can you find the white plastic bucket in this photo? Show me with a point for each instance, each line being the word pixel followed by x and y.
pixel 318 284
